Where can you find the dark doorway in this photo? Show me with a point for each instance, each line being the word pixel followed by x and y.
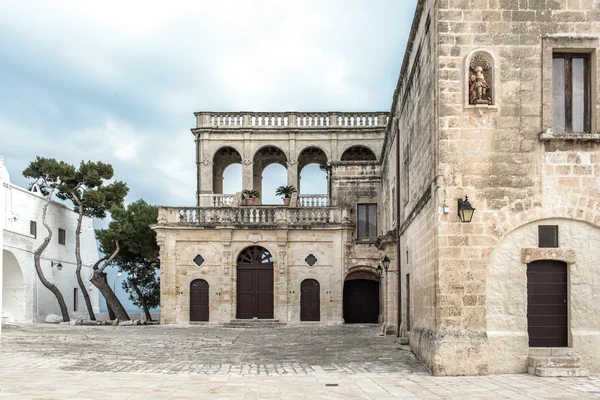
pixel 199 300
pixel 361 301
pixel 255 284
pixel 310 304
pixel 547 303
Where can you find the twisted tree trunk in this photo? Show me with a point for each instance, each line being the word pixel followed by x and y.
pixel 38 267
pixel 142 300
pixel 111 313
pixel 86 296
pixel 99 280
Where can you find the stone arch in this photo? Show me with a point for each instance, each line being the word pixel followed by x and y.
pixel 362 272
pixel 486 60
pixel 255 293
pixel 358 153
pixel 361 299
pixel 506 288
pixel 223 158
pixel 311 155
pixel 13 289
pixel 264 157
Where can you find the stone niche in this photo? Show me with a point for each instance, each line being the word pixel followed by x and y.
pixel 479 79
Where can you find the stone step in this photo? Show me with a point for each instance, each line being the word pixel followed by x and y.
pixel 553 361
pixel 253 323
pixel 558 372
pixel 551 351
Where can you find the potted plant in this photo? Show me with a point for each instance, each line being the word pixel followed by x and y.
pixel 286 192
pixel 250 196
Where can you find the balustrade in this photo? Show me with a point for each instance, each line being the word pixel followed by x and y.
pixel 215 200
pixel 313 200
pixel 250 215
pixel 291 119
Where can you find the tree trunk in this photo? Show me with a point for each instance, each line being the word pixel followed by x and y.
pixel 111 313
pixel 112 301
pixel 142 300
pixel 86 296
pixel 38 267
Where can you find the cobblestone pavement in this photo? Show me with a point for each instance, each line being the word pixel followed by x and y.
pixel 346 362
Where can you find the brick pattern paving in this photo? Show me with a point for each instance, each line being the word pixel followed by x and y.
pixel 200 362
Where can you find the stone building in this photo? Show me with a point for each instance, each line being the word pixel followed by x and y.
pixel 497 100
pixel 24 298
pixel 312 261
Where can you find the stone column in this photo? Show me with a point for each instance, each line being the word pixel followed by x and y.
pixel 292 174
pixel 247 175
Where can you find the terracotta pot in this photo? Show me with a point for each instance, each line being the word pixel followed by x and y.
pixel 286 201
pixel 250 201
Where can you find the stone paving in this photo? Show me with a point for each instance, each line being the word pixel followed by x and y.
pixel 204 362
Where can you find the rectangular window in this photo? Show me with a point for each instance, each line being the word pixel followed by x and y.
pixel 33 229
pixel 408 302
pixel 61 236
pixel 74 299
pixel 367 221
pixel 571 88
pixel 548 236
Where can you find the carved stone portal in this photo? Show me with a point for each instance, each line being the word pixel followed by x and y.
pixel 480 79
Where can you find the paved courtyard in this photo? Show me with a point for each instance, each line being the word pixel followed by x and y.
pixel 346 362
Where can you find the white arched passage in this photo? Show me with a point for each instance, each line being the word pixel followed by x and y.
pixel 13 289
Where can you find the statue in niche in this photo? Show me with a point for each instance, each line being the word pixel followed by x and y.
pixel 479 78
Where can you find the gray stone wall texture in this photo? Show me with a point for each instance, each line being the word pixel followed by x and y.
pixel 515 169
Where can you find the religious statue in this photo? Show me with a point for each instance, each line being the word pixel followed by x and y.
pixel 479 88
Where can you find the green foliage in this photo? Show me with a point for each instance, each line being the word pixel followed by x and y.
pixel 285 191
pixel 139 253
pixel 84 186
pixel 251 193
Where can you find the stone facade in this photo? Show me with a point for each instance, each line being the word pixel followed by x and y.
pixel 347 145
pixel 468 281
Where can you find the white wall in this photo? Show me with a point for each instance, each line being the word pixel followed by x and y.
pixel 21 207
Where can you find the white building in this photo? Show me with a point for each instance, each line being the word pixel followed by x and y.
pixel 24 298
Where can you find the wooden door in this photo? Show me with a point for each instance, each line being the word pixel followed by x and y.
pixel 547 304
pixel 255 284
pixel 361 301
pixel 310 304
pixel 199 300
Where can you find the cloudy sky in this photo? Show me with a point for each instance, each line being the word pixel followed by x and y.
pixel 118 81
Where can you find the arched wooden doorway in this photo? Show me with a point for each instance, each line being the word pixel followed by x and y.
pixel 361 298
pixel 199 300
pixel 255 283
pixel 310 303
pixel 547 305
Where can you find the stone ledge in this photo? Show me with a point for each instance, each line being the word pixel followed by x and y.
pixel 549 135
pixel 534 254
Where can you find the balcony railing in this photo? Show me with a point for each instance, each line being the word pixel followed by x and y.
pixel 313 200
pixel 216 200
pixel 232 120
pixel 252 215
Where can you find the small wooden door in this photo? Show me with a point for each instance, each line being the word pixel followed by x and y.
pixel 199 300
pixel 547 304
pixel 361 301
pixel 255 284
pixel 310 304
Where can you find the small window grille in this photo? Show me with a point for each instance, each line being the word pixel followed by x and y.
pixel 33 229
pixel 548 236
pixel 311 260
pixel 199 260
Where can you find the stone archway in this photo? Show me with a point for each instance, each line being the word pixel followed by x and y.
pixel 13 289
pixel 361 298
pixel 255 289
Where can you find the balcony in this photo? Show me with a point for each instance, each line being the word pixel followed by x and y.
pixel 253 216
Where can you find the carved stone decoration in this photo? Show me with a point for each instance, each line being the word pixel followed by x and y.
pixel 199 260
pixel 254 237
pixel 226 258
pixel 311 260
pixel 480 79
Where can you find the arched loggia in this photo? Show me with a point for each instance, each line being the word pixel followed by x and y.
pixel 275 160
pixel 315 178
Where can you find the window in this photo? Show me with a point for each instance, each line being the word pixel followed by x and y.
pixel 367 221
pixel 61 236
pixel 548 236
pixel 571 85
pixel 74 299
pixel 33 229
